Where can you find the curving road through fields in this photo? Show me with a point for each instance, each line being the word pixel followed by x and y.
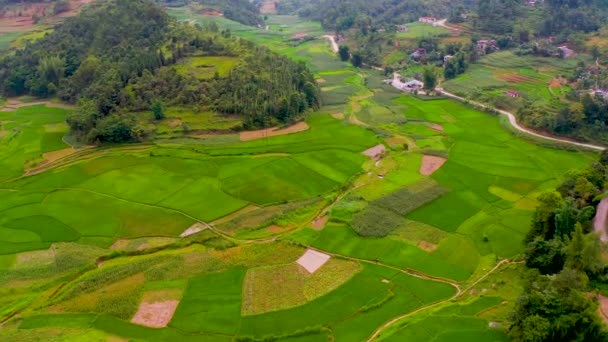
pixel 334 44
pixel 513 122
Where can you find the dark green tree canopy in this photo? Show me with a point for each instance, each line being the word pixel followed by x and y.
pixel 118 57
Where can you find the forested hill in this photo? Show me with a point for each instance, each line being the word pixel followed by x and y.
pixel 343 14
pixel 549 18
pixel 119 57
pixel 243 11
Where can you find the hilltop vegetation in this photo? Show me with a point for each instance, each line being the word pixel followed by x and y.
pixel 341 15
pixel 243 11
pixel 118 57
pixel 548 18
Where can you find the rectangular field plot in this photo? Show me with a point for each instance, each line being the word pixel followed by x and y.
pixel 394 251
pixel 449 211
pixel 211 303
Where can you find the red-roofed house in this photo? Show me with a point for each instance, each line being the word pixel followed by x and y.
pixel 300 35
pixel 512 93
pixel 418 53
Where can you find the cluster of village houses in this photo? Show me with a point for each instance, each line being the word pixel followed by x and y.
pixel 483 46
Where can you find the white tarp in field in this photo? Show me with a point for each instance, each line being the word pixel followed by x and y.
pixel 313 260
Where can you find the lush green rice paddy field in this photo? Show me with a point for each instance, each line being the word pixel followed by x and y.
pixel 86 238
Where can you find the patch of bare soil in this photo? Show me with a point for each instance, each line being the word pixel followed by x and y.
pixel 269 7
pixel 273 132
pixel 437 127
pixel 339 116
pixel 319 223
pixel 195 228
pixel 173 122
pixel 12 105
pixel 246 210
pixel 120 244
pixel 401 140
pixel 427 246
pixel 603 307
pixel 354 120
pixel 35 258
pixel 3 134
pixel 20 18
pixel 112 338
pixel 211 12
pixel 375 152
pixel 155 315
pixel 430 164
pixel 19 24
pixel 515 78
pixel 50 157
pixel 555 83
pixel 321 80
pixel 275 228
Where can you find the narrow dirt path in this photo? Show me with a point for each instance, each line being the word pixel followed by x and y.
pixel 430 306
pixel 334 45
pixel 599 221
pixel 443 23
pixel 513 122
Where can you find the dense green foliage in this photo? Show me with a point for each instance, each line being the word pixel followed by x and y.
pixel 565 263
pixel 341 15
pixel 242 11
pixel 117 57
pixel 584 118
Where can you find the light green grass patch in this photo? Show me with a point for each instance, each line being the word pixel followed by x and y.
pixel 206 67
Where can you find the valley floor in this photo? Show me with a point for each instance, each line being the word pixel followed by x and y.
pixel 294 237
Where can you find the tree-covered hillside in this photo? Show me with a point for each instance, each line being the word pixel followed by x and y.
pixel 243 11
pixel 343 14
pixel 119 57
pixel 548 18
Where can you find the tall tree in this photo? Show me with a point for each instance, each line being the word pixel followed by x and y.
pixel 429 78
pixel 344 53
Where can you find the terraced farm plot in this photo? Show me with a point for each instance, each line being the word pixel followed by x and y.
pixel 27 133
pixel 501 71
pixel 417 30
pixel 161 191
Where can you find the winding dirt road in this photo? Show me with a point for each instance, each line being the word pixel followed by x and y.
pixel 513 122
pixel 443 23
pixel 334 44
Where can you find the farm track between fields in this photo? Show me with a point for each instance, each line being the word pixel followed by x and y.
pixel 411 272
pixel 517 126
pixel 436 304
